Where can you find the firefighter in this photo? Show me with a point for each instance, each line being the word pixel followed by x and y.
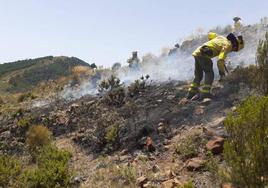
pixel 134 61
pixel 218 47
pixel 237 28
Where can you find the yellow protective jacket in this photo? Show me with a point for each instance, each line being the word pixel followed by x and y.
pixel 219 46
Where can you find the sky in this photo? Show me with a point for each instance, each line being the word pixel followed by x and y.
pixel 107 31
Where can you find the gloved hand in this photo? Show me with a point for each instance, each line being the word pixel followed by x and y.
pixel 222 75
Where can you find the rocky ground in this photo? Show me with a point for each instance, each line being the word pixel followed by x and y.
pixel 151 140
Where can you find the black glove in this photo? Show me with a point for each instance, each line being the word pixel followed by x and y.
pixel 222 75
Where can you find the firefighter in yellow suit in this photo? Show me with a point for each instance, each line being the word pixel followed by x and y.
pixel 218 46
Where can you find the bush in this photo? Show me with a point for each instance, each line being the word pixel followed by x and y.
pixel 246 150
pixel 112 134
pixel 188 185
pixel 52 170
pixel 37 137
pixel 9 169
pixel 113 90
pixel 188 146
pixel 262 64
pixel 138 86
pixel 23 125
pixel 246 75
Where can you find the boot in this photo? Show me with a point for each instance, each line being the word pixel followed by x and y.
pixel 204 95
pixel 191 94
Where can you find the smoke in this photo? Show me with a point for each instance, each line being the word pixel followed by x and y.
pixel 178 66
pixel 78 91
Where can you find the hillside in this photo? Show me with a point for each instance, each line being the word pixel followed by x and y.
pixel 20 76
pixel 109 128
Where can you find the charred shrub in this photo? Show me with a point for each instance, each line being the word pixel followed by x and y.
pixel 23 125
pixel 26 96
pixel 9 169
pixel 138 86
pixel 104 135
pixel 246 75
pixel 113 90
pixel 246 150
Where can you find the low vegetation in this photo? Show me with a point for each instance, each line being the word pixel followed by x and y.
pixel 188 146
pixel 10 168
pixel 262 65
pixel 52 170
pixel 246 150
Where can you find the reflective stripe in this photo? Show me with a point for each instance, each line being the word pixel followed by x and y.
pixel 207 87
pixel 194 85
pixel 205 91
pixel 193 89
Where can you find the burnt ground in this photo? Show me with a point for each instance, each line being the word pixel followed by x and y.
pixel 148 126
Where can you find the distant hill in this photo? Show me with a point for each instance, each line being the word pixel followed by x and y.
pixel 23 75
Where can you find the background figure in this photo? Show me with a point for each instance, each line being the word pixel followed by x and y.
pixel 134 61
pixel 238 25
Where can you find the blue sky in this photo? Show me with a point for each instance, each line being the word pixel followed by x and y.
pixel 106 31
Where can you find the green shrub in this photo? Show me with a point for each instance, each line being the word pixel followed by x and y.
pixel 262 64
pixel 112 134
pixel 188 146
pixel 37 137
pixel 246 150
pixel 188 185
pixel 9 169
pixel 52 170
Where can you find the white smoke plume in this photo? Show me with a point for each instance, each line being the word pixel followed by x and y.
pixel 178 66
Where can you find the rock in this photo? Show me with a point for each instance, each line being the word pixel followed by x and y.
pixel 199 110
pixel 151 158
pixel 227 185
pixel 155 168
pixel 161 129
pixel 148 184
pixel 149 144
pixel 170 97
pixel 215 145
pixel 209 133
pixel 233 109
pixel 183 101
pixel 166 142
pixel 124 152
pixel 206 101
pixel 194 164
pixel 166 148
pixel 141 181
pixel 79 179
pixel 170 174
pixel 172 183
pixel 124 158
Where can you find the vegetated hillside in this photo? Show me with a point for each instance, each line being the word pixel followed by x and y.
pixel 23 75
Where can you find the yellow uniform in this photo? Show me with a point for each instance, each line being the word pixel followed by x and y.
pixel 219 46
